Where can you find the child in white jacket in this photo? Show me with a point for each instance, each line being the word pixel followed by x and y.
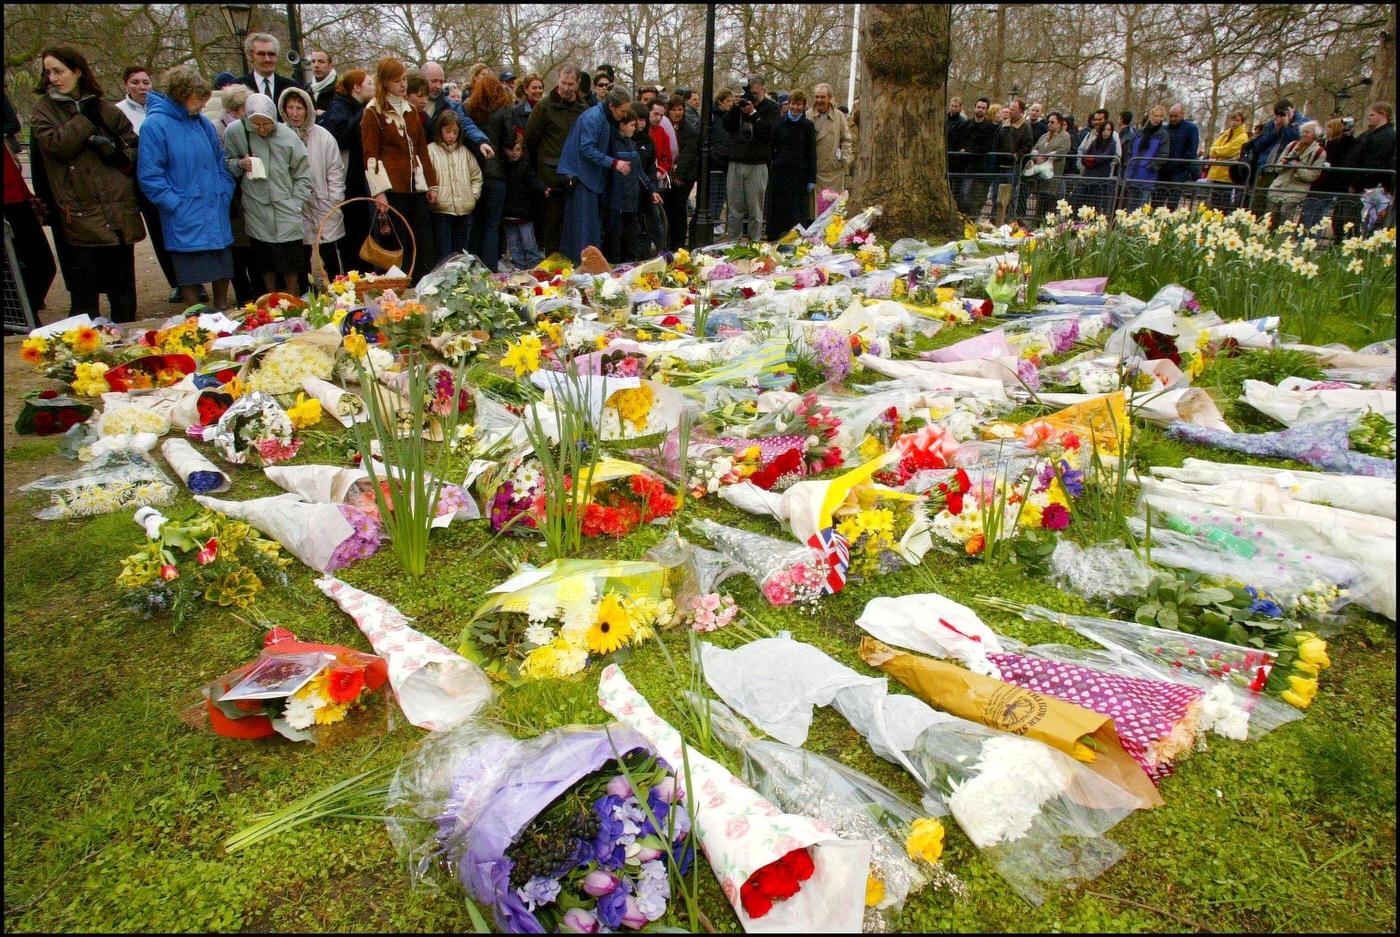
pixel 459 186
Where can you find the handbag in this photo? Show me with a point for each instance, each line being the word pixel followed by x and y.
pixel 1239 174
pixel 372 252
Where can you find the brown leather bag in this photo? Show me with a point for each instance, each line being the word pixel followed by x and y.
pixel 372 252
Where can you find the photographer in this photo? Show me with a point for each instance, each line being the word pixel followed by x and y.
pixel 89 154
pixel 1302 163
pixel 750 124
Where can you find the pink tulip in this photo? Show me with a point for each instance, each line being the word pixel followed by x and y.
pixel 579 921
pixel 209 553
pixel 169 572
pixel 633 917
pixel 670 790
pixel 599 883
pixel 647 854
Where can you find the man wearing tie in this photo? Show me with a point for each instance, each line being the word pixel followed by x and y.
pixel 263 50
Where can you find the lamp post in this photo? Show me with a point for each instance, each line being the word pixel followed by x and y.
pixel 702 225
pixel 238 17
pixel 1341 96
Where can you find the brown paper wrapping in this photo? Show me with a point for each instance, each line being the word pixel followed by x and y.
pixel 1010 708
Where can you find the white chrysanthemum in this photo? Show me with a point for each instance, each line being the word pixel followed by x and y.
pixel 572 659
pixel 576 618
pixel 541 608
pixel 1222 715
pixel 300 713
pixel 539 635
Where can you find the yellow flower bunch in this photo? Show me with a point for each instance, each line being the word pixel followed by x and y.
pixel 523 356
pixel 88 380
pixel 234 388
pixel 84 340
pixel 355 344
pixel 925 840
pixel 832 234
pixel 306 412
pixel 633 405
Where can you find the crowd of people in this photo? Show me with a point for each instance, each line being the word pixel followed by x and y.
pixel 238 181
pixel 1300 169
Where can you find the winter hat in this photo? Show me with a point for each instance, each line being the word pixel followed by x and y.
pixel 260 105
pixel 224 79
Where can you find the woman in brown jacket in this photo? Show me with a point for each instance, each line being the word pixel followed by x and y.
pixel 89 152
pixel 398 169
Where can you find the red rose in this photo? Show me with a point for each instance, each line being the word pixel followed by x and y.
pixel 776 881
pixel 48 395
pixel 345 684
pixel 670 321
pixel 755 904
pixel 44 423
pixel 787 463
pixel 68 418
pixel 800 863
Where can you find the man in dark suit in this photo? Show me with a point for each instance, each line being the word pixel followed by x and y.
pixel 263 50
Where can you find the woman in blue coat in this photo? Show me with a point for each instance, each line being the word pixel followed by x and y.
pixel 792 174
pixel 1144 158
pixel 180 168
pixel 586 161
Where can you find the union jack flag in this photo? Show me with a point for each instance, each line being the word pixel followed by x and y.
pixel 836 558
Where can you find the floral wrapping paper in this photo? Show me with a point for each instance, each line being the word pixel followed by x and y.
pixel 1325 445
pixel 740 832
pixel 1155 720
pixel 436 688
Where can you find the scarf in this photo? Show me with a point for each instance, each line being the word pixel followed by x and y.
pixel 318 86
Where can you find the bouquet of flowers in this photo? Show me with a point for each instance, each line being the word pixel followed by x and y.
pixel 119 420
pixel 325 537
pixel 805 445
pixel 609 296
pixel 200 476
pixel 576 830
pixel 643 410
pixel 117 479
pixel 282 368
pixel 211 558
pixel 906 847
pixel 345 406
pixel 1374 434
pixel 620 496
pixel 547 622
pixel 461 297
pixel 148 371
pixel 46 413
pixel 331 484
pixel 293 689
pixel 785 572
pixel 255 427
pixel 186 338
pixel 781 872
pixel 59 356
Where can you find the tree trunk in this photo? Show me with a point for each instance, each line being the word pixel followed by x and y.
pixel 999 65
pixel 902 162
pixel 1383 66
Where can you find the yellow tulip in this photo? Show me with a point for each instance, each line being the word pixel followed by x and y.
pixel 1304 667
pixel 874 891
pixel 1314 651
pixel 925 840
pixel 1303 686
pixel 1293 699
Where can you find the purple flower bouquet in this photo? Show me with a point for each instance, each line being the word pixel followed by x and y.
pixel 551 833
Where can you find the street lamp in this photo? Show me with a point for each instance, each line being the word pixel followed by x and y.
pixel 1340 97
pixel 702 224
pixel 238 17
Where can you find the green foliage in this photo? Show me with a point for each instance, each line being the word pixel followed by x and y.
pixel 1185 603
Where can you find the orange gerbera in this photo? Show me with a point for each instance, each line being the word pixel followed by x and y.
pixel 86 340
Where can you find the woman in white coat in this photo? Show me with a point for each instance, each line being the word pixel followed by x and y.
pixel 327 181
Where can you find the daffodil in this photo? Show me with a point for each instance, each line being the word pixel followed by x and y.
pixel 305 412
pixel 355 344
pixel 523 356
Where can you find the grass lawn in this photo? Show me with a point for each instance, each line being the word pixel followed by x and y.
pixel 117 803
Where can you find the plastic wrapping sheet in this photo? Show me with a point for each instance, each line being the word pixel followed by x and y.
pixel 1292 406
pixel 249 407
pixel 116 480
pixel 854 805
pixel 198 474
pixel 767 560
pixel 1358 493
pixel 932 624
pixel 1038 813
pixel 334 484
pixel 310 532
pixel 1100 571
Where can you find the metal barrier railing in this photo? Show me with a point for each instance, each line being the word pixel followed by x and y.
pixel 976 180
pixel 1342 201
pixel 1170 182
pixel 1037 196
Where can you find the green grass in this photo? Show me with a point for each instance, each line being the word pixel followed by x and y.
pixel 116 808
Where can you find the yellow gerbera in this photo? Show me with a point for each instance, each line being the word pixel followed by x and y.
pixel 612 628
pixel 32 350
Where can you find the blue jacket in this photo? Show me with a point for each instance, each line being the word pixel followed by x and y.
pixel 585 155
pixel 1264 144
pixel 180 168
pixel 1184 142
pixel 1144 160
pixel 626 193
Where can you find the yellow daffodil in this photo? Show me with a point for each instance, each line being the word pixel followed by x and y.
pixel 355 344
pixel 305 412
pixel 925 840
pixel 234 388
pixel 553 331
pixel 523 356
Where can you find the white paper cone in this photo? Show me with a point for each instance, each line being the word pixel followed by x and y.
pixel 740 832
pixel 323 484
pixel 436 688
pixel 916 623
pixel 185 460
pixel 330 397
pixel 310 532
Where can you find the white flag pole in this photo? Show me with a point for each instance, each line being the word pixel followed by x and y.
pixel 855 44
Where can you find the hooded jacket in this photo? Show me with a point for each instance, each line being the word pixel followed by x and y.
pixel 96 203
pixel 272 206
pixel 458 177
pixel 548 128
pixel 327 175
pixel 1145 158
pixel 180 167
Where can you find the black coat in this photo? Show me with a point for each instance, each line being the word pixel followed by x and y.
pixel 523 189
pixel 342 119
pixel 280 83
pixel 751 135
pixel 324 99
pixel 686 165
pixel 794 167
pixel 1375 149
pixel 499 128
pixel 977 137
pixel 1338 157
pixel 719 141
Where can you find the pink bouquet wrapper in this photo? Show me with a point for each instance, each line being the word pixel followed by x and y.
pixel 437 688
pixel 989 345
pixel 740 832
pixel 1082 285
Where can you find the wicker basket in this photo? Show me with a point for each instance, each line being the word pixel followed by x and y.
pixel 318 266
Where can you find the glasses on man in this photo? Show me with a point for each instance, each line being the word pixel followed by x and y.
pixel 602 85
